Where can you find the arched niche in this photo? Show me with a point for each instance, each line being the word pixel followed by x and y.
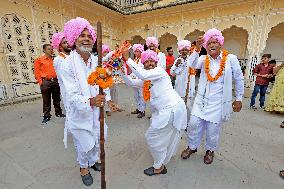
pixel 137 39
pixel 192 36
pixel 275 42
pixel 236 40
pixel 168 40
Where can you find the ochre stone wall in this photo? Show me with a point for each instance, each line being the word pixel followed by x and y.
pixel 250 27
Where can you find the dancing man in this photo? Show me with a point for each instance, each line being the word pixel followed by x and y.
pixel 213 102
pixel 168 109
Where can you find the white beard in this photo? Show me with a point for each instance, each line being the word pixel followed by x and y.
pixel 85 49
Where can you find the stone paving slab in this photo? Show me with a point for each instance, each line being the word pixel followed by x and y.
pixel 33 157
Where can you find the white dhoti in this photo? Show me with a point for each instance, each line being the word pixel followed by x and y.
pixel 163 143
pixel 139 100
pixel 195 129
pixel 86 159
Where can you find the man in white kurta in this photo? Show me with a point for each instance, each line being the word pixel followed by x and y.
pixel 168 110
pixel 138 92
pixel 213 102
pixel 153 44
pixel 81 99
pixel 61 45
pixel 182 69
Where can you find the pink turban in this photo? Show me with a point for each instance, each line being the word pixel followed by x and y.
pixel 215 34
pixel 138 47
pixel 152 40
pixel 74 27
pixel 105 48
pixel 56 40
pixel 149 55
pixel 184 44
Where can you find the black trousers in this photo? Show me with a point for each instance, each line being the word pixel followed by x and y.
pixel 50 88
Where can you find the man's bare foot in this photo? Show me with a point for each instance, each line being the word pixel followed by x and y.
pixel 84 171
pixel 159 170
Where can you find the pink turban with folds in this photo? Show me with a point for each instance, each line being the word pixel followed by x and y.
pixel 56 40
pixel 215 34
pixel 74 27
pixel 184 44
pixel 105 48
pixel 138 47
pixel 149 55
pixel 152 40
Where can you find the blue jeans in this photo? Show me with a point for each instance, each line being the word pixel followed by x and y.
pixel 261 89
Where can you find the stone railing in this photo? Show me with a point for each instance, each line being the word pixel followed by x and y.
pixel 132 6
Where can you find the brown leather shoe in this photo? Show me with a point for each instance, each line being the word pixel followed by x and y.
pixel 208 158
pixel 187 153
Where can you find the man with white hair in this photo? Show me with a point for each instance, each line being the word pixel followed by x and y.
pixel 213 103
pixel 152 44
pixel 83 100
pixel 182 68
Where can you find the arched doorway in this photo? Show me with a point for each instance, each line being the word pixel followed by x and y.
pixel 236 40
pixel 137 39
pixel 168 40
pixel 275 43
pixel 192 36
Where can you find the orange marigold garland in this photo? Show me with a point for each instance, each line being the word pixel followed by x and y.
pixel 221 69
pixel 146 90
pixel 101 77
pixel 192 71
pixel 116 61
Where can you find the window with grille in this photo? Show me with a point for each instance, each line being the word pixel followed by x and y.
pixel 19 48
pixel 46 31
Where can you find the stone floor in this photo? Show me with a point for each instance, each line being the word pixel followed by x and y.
pixel 33 157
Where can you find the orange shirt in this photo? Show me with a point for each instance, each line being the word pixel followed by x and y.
pixel 44 68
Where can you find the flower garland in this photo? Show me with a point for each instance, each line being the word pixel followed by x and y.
pixel 116 60
pixel 101 77
pixel 192 71
pixel 146 90
pixel 221 69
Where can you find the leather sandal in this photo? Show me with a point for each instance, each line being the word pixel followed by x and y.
pixel 151 171
pixel 97 166
pixel 135 112
pixel 208 158
pixel 87 179
pixel 141 115
pixel 187 153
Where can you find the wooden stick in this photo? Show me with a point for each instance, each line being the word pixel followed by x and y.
pixel 187 88
pixel 102 132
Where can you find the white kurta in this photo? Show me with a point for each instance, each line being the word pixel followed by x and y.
pixel 168 112
pixel 58 61
pixel 138 92
pixel 181 72
pixel 83 120
pixel 162 60
pixel 213 101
